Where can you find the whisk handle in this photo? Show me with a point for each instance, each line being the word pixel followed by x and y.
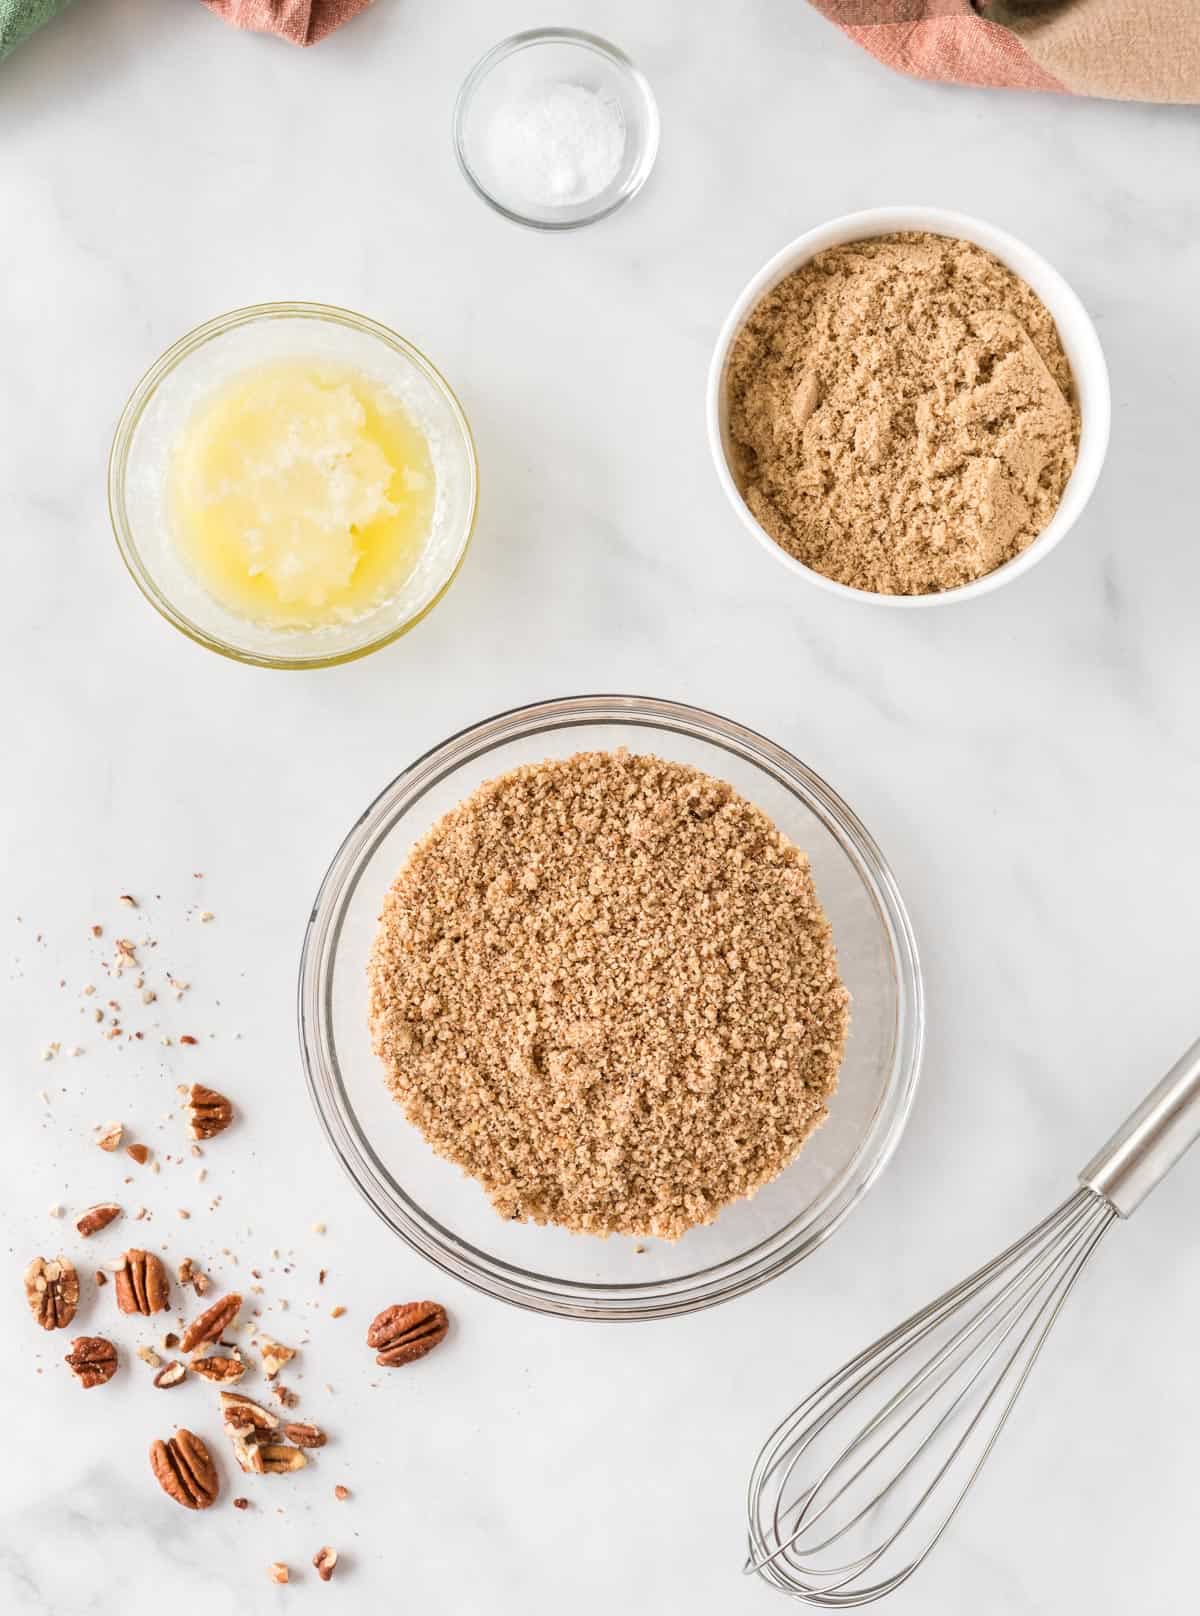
pixel 1149 1143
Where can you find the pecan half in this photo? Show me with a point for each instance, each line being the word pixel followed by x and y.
pixel 304 1436
pixel 141 1282
pixel 212 1323
pixel 93 1360
pixel 52 1291
pixel 208 1112
pixel 171 1374
pixel 97 1218
pixel 407 1331
pixel 218 1367
pixel 185 1470
pixel 325 1561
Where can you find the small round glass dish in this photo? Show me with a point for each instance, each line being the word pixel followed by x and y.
pixel 446 1216
pixel 207 359
pixel 531 64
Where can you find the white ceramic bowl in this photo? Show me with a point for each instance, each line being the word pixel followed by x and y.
pixel 1075 328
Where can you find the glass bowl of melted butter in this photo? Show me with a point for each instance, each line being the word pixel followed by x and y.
pixel 293 485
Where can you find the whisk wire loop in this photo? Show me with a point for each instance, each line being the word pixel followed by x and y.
pixel 981 1339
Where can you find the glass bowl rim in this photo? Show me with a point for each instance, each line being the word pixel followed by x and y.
pixel 419 1229
pixel 139 400
pixel 625 65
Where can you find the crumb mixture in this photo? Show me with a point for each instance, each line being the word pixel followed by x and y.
pixel 902 414
pixel 604 986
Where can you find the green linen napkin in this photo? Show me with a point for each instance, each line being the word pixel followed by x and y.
pixel 18 19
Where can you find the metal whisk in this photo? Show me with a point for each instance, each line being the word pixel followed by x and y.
pixel 854 1488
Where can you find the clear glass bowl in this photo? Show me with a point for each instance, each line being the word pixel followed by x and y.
pixel 544 56
pixel 204 360
pixel 445 1215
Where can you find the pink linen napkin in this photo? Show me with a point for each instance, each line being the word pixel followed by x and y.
pixel 302 22
pixel 1130 50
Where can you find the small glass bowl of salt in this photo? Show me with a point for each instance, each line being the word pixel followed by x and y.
pixel 555 128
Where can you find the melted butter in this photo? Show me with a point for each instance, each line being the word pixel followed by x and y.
pixel 301 494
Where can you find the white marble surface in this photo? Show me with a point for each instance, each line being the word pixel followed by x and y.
pixel 1029 763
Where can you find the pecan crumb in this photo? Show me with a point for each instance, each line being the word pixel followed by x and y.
pixel 325 1560
pixel 277 1571
pixel 241 1503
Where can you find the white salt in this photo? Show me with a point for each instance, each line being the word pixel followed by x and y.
pixel 556 145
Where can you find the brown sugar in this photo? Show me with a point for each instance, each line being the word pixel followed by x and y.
pixel 902 414
pixel 604 986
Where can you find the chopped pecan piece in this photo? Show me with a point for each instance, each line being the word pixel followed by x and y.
pixel 217 1366
pixel 52 1291
pixel 325 1561
pixel 276 1459
pixel 141 1283
pixel 341 1493
pixel 212 1323
pixel 304 1436
pixel 241 1503
pixel 243 1442
pixel 93 1360
pixel 97 1218
pixel 243 1414
pixel 138 1153
pixel 171 1374
pixel 407 1331
pixel 247 1424
pixel 277 1571
pixel 274 1355
pixel 188 1274
pixel 185 1470
pixel 110 1136
pixel 208 1112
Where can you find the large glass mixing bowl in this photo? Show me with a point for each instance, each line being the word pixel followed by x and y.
pixel 445 1215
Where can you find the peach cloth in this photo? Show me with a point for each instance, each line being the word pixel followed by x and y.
pixel 1131 50
pixel 302 22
